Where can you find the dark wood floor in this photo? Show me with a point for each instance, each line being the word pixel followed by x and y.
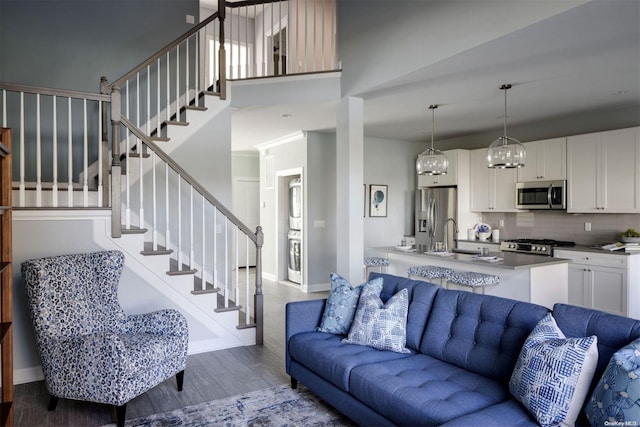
pixel 208 376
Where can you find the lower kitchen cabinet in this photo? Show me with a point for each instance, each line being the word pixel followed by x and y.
pixel 607 282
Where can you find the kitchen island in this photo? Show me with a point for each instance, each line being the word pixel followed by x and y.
pixel 531 278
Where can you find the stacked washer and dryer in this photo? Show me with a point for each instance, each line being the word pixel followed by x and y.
pixel 294 270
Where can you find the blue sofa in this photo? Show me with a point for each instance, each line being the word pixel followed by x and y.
pixel 464 347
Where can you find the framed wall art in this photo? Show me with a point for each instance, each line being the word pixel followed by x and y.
pixel 377 200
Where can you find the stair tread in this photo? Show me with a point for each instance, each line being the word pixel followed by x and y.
pixel 144 155
pixel 133 230
pixel 160 250
pixel 160 139
pixel 196 108
pixel 174 270
pixel 208 288
pixel 177 123
pixel 230 308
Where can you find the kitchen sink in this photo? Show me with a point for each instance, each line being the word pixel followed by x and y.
pixel 465 251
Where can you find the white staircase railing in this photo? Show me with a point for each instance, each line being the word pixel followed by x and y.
pixel 62 145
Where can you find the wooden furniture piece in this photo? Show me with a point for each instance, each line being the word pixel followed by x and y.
pixel 6 281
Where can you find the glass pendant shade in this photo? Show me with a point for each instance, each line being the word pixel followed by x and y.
pixel 505 152
pixel 432 161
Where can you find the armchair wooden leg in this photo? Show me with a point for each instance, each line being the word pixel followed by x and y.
pixel 121 412
pixel 180 379
pixel 53 402
pixel 294 383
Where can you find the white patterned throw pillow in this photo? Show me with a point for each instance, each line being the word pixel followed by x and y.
pixel 342 303
pixel 553 373
pixel 378 325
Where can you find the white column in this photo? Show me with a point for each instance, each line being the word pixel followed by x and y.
pixel 350 190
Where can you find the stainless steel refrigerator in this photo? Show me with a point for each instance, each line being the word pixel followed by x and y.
pixel 436 207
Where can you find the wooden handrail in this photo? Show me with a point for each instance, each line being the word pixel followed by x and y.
pixel 189 179
pixel 55 92
pixel 164 50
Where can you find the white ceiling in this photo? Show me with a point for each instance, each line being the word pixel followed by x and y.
pixel 575 72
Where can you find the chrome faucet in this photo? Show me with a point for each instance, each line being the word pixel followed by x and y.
pixel 446 228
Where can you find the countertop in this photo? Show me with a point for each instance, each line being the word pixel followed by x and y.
pixel 596 249
pixel 510 260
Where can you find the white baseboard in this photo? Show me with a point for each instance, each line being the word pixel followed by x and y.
pixel 27 375
pixel 318 287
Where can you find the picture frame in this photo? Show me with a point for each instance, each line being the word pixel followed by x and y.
pixel 377 200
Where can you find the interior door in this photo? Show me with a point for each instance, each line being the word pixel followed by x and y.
pixel 246 199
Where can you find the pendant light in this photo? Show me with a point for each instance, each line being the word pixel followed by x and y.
pixel 432 161
pixel 505 152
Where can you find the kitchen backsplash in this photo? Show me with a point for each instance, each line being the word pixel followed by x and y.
pixel 605 228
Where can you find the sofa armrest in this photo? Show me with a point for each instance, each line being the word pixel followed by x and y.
pixel 301 316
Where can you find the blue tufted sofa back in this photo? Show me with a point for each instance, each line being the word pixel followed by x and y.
pixel 421 296
pixel 480 333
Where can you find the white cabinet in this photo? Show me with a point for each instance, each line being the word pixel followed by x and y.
pixel 492 190
pixel 546 160
pixel 450 178
pixel 603 172
pixel 607 282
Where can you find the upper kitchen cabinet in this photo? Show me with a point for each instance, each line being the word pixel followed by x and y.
pixel 492 190
pixel 546 160
pixel 452 177
pixel 603 172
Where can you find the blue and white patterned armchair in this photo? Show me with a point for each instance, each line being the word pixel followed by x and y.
pixel 90 349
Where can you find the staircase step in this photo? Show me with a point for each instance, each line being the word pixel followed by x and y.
pixel 232 305
pixel 175 271
pixel 177 123
pixel 246 326
pixel 196 108
pixel 137 155
pixel 198 289
pixel 210 93
pixel 160 250
pixel 160 139
pixel 133 230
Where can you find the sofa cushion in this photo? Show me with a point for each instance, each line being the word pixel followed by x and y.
pixel 381 326
pixel 341 305
pixel 422 390
pixel 617 394
pixel 421 296
pixel 510 413
pixel 480 333
pixel 553 373
pixel 326 355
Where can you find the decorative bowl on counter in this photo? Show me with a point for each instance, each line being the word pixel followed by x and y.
pixel 630 239
pixel 483 237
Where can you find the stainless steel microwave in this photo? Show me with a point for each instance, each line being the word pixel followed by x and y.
pixel 541 195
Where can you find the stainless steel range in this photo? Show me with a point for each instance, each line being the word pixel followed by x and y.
pixel 533 246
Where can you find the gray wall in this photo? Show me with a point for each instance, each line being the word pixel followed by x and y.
pixel 70 44
pixel 321 204
pixel 390 163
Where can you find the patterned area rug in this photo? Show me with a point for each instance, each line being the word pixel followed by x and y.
pixel 276 406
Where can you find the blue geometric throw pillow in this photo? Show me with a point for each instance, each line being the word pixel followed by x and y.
pixel 553 373
pixel 616 399
pixel 381 326
pixel 341 305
